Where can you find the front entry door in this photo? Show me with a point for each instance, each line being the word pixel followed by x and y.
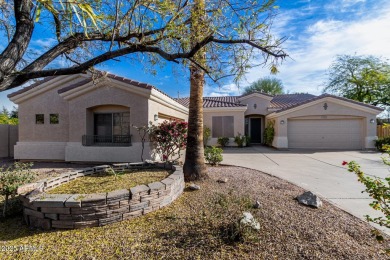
pixel 255 130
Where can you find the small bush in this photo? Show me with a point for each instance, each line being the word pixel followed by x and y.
pixel 223 141
pixel 240 140
pixel 213 155
pixel 248 140
pixel 11 178
pixel 269 133
pixel 379 143
pixel 206 135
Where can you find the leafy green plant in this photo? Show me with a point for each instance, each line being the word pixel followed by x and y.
pixel 223 141
pixel 379 143
pixel 240 140
pixel 269 133
pixel 377 189
pixel 206 135
pixel 11 178
pixel 213 155
pixel 248 140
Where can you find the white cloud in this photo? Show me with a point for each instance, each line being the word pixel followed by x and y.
pixel 315 46
pixel 225 90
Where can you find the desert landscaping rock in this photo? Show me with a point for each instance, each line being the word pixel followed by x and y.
pixel 308 198
pixel 223 180
pixel 257 205
pixel 248 220
pixel 194 187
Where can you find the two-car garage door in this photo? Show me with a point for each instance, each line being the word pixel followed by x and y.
pixel 325 133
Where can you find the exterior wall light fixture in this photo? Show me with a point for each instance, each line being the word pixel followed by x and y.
pixel 372 120
pixel 282 122
pixel 255 106
pixel 155 117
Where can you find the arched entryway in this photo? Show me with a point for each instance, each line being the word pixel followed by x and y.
pixel 254 127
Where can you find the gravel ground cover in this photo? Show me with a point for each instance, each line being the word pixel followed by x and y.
pixel 194 226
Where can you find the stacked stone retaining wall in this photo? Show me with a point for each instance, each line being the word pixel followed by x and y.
pixel 71 211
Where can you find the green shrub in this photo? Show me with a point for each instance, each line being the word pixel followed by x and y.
pixel 223 141
pixel 379 143
pixel 206 135
pixel 240 140
pixel 213 155
pixel 378 189
pixel 248 140
pixel 269 133
pixel 11 178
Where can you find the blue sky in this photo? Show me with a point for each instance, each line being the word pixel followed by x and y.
pixel 316 32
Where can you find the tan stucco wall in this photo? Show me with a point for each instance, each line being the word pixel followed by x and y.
pixel 317 111
pixel 261 105
pixel 105 97
pixel 156 108
pixel 75 109
pixel 48 103
pixel 239 123
pixel 8 138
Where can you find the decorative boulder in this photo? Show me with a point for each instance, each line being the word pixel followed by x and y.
pixel 223 180
pixel 250 221
pixel 308 198
pixel 194 187
pixel 257 205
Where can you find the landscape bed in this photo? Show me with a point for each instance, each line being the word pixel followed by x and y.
pixel 43 208
pixel 190 228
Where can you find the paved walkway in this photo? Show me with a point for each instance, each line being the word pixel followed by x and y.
pixel 318 171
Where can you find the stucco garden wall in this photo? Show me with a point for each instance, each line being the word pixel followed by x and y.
pixel 72 211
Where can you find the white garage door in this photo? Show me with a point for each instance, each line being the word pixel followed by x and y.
pixel 325 134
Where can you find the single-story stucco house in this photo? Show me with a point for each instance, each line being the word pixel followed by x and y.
pixel 78 118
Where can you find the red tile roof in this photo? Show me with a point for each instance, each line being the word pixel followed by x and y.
pixel 85 81
pixel 36 84
pixel 208 102
pixel 288 100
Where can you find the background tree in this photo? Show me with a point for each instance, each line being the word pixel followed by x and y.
pixel 362 78
pixel 9 117
pixel 267 85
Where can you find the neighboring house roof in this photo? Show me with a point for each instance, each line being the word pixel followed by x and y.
pixel 332 96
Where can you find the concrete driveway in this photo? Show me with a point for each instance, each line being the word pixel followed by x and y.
pixel 318 171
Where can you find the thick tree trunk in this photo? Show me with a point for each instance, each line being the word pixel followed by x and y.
pixel 15 50
pixel 194 165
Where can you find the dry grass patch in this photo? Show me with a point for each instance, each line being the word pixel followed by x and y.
pixel 106 182
pixel 197 226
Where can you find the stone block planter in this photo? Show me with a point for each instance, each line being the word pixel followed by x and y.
pixel 72 211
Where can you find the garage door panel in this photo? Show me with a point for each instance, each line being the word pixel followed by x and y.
pixel 325 134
